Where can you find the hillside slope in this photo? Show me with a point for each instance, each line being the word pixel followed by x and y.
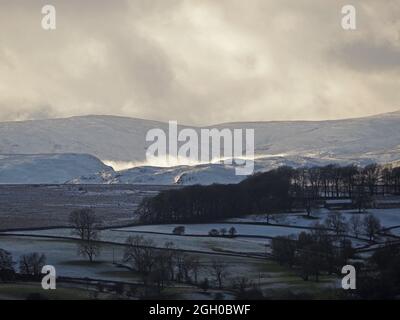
pixel 70 150
pixel 48 168
pixel 123 139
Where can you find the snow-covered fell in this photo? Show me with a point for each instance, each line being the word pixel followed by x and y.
pixel 123 139
pixel 44 144
pixel 48 168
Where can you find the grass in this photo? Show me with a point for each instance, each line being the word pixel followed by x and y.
pixel 269 266
pixel 292 285
pixel 123 274
pixel 178 291
pixel 275 280
pixel 309 217
pixel 83 263
pixel 20 291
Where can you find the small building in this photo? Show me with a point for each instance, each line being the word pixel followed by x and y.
pixel 339 204
pixel 390 203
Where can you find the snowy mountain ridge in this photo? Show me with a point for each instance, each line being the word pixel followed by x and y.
pixel 27 147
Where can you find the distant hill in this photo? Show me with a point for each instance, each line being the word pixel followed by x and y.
pixel 48 168
pixel 121 139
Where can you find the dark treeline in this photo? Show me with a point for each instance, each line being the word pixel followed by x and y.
pixel 313 253
pixel 203 203
pixel 334 181
pixel 277 190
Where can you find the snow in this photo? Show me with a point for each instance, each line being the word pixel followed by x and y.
pixel 339 201
pixel 396 231
pixel 123 139
pixel 62 254
pixel 292 219
pixel 47 168
pixel 118 139
pixel 252 238
pixel 186 175
pixel 387 217
pixel 203 229
pixel 106 137
pixel 203 244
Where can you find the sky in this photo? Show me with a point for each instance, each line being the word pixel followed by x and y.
pixel 199 62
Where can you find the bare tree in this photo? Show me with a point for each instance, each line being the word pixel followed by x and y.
pixel 195 265
pixel 191 266
pixel 6 261
pixel 371 173
pixel 160 273
pixel 241 284
pixel 355 224
pixel 171 253
pixel 372 226
pixel 7 271
pixel 315 179
pixel 179 260
pixel 337 222
pixel 140 253
pixel 232 231
pixel 269 217
pixel 86 226
pixel 311 260
pixel 32 264
pixel 310 204
pixel 361 198
pixel 284 250
pixel 205 284
pixel 220 272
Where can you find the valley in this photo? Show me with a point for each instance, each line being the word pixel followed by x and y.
pixel 38 222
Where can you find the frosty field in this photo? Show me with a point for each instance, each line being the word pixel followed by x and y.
pixel 36 206
pixel 35 219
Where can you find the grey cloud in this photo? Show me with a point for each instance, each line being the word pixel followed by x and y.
pixel 365 56
pixel 23 111
pixel 198 62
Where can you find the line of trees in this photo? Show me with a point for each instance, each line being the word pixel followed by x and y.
pixel 326 248
pixel 313 253
pixel 160 267
pixel 333 181
pixel 367 225
pixel 85 224
pixel 379 277
pixel 29 266
pixel 273 191
pixel 257 194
